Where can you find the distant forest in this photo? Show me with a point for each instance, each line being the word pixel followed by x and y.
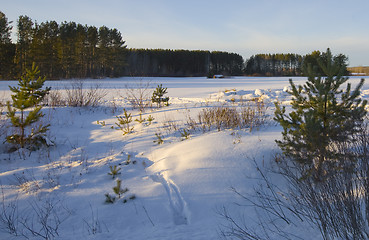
pixel 159 62
pixel 65 50
pixel 274 65
pixel 288 64
pixel 71 50
pixel 361 70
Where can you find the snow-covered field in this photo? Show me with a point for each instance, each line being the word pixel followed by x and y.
pixel 179 186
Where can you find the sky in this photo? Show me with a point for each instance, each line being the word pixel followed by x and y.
pixel 246 27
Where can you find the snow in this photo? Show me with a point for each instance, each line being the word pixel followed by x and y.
pixel 179 185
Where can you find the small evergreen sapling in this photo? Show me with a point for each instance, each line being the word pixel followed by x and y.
pixel 128 161
pixel 324 116
pixel 102 123
pixel 185 134
pixel 132 197
pixel 140 120
pixel 124 121
pixel 109 198
pixel 118 190
pixel 114 171
pixel 159 139
pixel 27 97
pixel 150 119
pixel 158 96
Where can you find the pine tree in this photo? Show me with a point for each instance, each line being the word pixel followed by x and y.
pixel 25 27
pixel 5 29
pixel 27 96
pixel 158 95
pixel 323 117
pixel 7 48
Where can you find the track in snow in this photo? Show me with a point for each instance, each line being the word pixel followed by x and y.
pixel 177 204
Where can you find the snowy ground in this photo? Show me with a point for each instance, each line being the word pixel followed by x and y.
pixel 179 186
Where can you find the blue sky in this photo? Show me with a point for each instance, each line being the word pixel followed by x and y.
pixel 246 27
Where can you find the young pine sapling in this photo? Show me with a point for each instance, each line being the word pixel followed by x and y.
pixel 27 97
pixel 185 134
pixel 150 119
pixel 140 119
pixel 114 171
pixel 158 96
pixel 124 121
pixel 118 190
pixel 159 139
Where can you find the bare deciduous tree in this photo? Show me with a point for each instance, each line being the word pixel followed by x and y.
pixel 139 94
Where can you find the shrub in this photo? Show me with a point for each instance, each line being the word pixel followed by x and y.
pixel 139 95
pixel 248 115
pixel 79 96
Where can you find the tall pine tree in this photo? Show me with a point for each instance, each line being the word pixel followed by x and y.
pixel 323 117
pixel 7 48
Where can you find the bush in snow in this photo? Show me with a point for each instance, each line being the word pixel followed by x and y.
pixel 139 95
pixel 41 219
pixel 249 115
pixel 79 96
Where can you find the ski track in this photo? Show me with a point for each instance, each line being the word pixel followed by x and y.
pixel 177 204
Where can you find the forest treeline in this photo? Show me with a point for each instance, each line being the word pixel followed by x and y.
pixel 71 50
pixel 165 62
pixel 65 50
pixel 289 64
pixel 274 65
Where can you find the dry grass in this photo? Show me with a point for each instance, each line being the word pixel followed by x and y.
pixel 75 94
pixel 3 121
pixel 249 115
pixel 362 70
pixel 79 96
